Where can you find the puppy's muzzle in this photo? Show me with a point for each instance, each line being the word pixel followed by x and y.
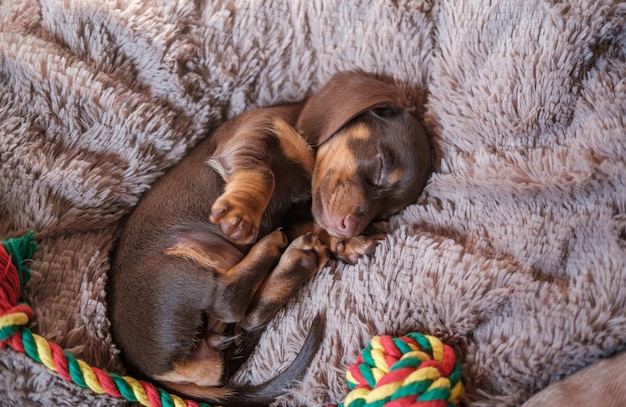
pixel 340 207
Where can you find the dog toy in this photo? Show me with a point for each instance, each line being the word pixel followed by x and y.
pixel 414 370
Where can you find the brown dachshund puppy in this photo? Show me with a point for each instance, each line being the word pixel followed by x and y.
pixel 200 260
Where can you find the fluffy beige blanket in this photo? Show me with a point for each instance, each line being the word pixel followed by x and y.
pixel 515 254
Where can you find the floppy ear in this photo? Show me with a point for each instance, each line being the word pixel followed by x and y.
pixel 345 96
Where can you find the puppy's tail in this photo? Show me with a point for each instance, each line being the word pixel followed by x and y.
pixel 265 393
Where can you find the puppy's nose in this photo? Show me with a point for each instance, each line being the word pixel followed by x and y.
pixel 349 225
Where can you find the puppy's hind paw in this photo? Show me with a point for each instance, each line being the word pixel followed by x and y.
pixel 311 243
pixel 273 243
pixel 310 250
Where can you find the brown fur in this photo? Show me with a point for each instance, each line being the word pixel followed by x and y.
pixel 200 263
pixel 175 272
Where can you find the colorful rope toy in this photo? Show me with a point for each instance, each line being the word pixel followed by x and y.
pixel 15 316
pixel 414 370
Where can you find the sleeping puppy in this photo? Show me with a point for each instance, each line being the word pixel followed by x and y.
pixel 200 262
pixel 372 160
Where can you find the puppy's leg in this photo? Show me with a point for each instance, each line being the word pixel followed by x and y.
pixel 195 373
pixel 237 286
pixel 244 162
pixel 239 209
pixel 302 258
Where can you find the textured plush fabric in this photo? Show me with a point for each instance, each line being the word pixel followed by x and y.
pixel 515 254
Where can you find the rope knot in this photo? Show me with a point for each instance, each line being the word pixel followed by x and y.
pixel 13 276
pixel 413 370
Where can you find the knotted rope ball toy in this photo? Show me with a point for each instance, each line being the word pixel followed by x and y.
pixel 414 370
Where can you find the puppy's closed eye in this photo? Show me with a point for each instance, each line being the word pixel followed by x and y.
pixel 385 112
pixel 374 175
pixel 384 172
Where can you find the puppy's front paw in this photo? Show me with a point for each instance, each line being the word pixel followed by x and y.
pixel 238 221
pixel 352 249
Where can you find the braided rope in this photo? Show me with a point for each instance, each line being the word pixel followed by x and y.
pixel 13 332
pixel 414 370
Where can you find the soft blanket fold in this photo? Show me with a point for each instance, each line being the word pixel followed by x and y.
pixel 515 254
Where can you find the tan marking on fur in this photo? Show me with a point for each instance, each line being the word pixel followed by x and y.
pixel 337 154
pixel 334 155
pixel 335 159
pixel 294 147
pixel 395 176
pixel 198 375
pixel 191 253
pixel 250 190
pixel 252 183
pixel 204 367
pixel 360 132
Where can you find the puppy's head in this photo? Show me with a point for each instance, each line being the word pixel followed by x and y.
pixel 373 157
